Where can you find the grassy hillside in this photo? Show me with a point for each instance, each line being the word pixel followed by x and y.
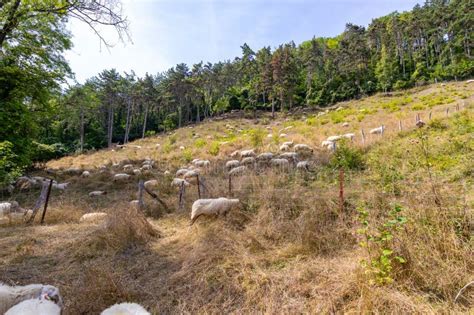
pixel 402 242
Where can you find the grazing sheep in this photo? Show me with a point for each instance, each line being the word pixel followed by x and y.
pixel 293 156
pixel 303 149
pixel 267 156
pixel 35 307
pixel 247 153
pixel 231 164
pixel 280 162
pixel 284 148
pixel 378 130
pixel 179 181
pixel 61 186
pixel 73 171
pixel 181 172
pixel 283 135
pixel 248 161
pixel 288 143
pixel 334 138
pixel 166 173
pixel 128 168
pixel 303 165
pixel 136 146
pixel 349 136
pixel 182 148
pixel 8 207
pixel 420 123
pixel 125 309
pixel 12 295
pixel 86 174
pixel 134 203
pixel 346 124
pixel 24 182
pixel 147 167
pixel 96 193
pixel 215 206
pixel 137 172
pixel 121 177
pixel 151 184
pixel 93 217
pixel 235 154
pixel 237 170
pixel 202 163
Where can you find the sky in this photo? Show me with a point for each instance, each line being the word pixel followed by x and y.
pixel 167 32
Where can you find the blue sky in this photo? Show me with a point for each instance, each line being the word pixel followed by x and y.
pixel 167 32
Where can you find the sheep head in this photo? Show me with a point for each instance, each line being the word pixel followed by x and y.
pixel 51 293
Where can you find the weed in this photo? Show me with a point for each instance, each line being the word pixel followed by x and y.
pixel 200 143
pixel 256 137
pixel 214 148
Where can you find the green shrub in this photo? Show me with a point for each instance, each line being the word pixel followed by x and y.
pixel 347 157
pixel 437 124
pixel 172 139
pixel 187 155
pixel 167 147
pixel 150 133
pixel 199 143
pixel 9 169
pixel 41 152
pixel 256 137
pixel 214 148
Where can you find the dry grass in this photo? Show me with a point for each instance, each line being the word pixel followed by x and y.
pixel 289 249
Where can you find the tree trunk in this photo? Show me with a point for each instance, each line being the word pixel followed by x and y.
pixel 127 122
pixel 82 130
pixel 110 126
pixel 273 108
pixel 144 122
pixel 179 116
pixel 10 23
pixel 198 114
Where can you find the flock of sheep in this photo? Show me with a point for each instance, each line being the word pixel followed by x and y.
pixel 39 299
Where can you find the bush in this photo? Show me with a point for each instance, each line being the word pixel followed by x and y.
pixel 44 152
pixel 214 149
pixel 9 169
pixel 199 143
pixel 256 137
pixel 187 156
pixel 348 158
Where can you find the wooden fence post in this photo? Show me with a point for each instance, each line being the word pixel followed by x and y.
pixel 47 200
pixel 198 186
pixel 230 185
pixel 430 116
pixel 341 188
pixel 141 188
pixel 400 125
pixel 181 195
pixel 363 136
pixel 447 111
pixel 457 107
pixel 39 202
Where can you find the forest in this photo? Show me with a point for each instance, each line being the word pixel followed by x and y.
pixel 41 119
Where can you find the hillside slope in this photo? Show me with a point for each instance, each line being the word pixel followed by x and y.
pixel 401 242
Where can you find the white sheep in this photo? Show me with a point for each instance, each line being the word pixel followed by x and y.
pixel 93 217
pixel 288 143
pixel 202 163
pixel 293 156
pixel 329 145
pixel 121 177
pixel 181 172
pixel 146 167
pixel 231 164
pixel 280 162
pixel 73 171
pixel 134 203
pixel 238 170
pixel 12 295
pixel 61 186
pixel 96 193
pixel 349 136
pixel 334 138
pixel 151 184
pixel 125 309
pixel 8 207
pixel 248 161
pixel 247 153
pixel 303 149
pixel 137 172
pixel 35 307
pixel 267 156
pixel 346 124
pixel 166 173
pixel 215 206
pixel 182 148
pixel 128 168
pixel 179 181
pixel 284 148
pixel 235 154
pixel 378 130
pixel 303 165
pixel 283 135
pixel 86 174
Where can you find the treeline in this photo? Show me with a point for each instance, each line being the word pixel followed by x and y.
pixel 430 43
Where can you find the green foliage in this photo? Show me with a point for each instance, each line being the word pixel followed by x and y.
pixel 437 124
pixel 44 152
pixel 379 242
pixel 200 143
pixel 256 137
pixel 172 139
pixel 347 157
pixel 167 147
pixel 214 148
pixel 170 122
pixel 9 168
pixel 187 156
